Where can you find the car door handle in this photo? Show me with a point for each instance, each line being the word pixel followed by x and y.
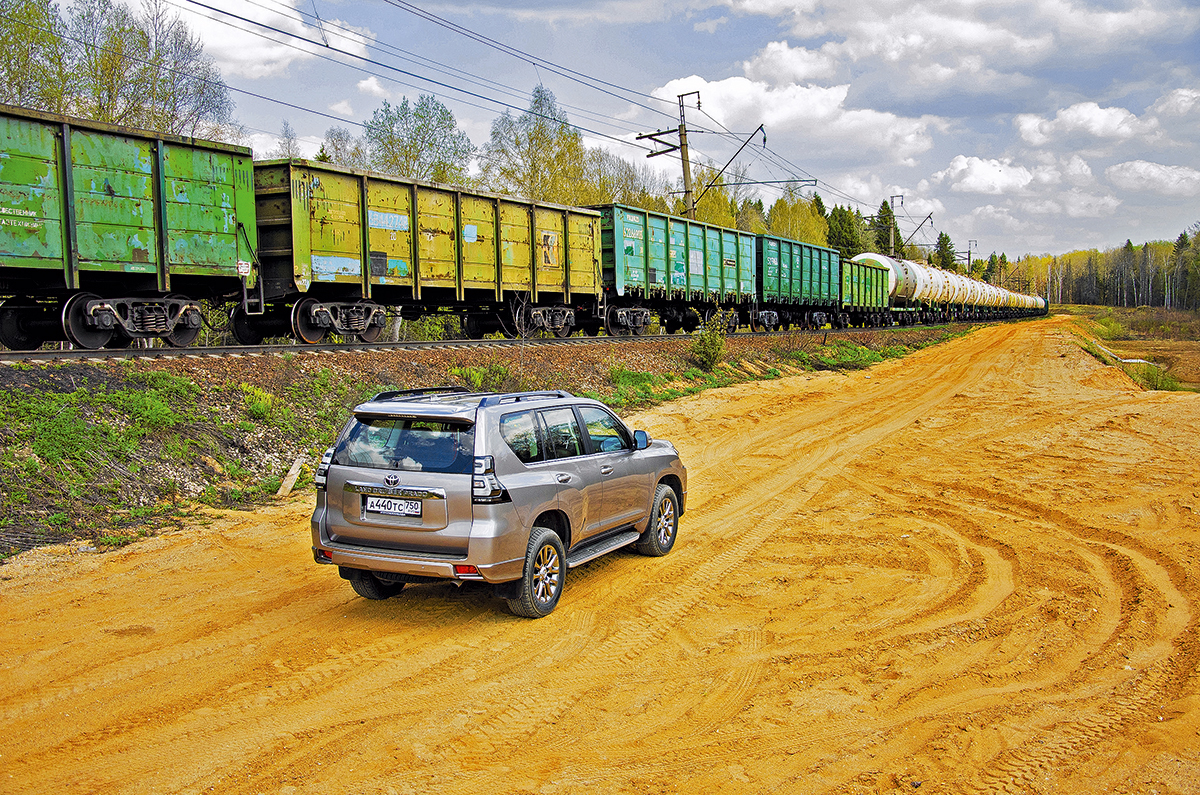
pixel 563 478
pixel 606 470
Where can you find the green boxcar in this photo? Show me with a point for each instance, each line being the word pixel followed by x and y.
pixel 340 239
pixel 864 289
pixel 130 203
pixel 796 274
pixel 118 212
pixel 652 255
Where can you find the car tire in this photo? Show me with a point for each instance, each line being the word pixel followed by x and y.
pixel 368 586
pixel 545 574
pixel 660 533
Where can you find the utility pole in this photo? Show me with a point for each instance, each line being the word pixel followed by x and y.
pixel 892 226
pixel 970 244
pixel 683 155
pixel 682 147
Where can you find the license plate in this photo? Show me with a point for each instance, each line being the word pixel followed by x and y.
pixel 391 506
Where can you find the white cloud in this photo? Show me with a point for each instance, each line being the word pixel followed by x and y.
pixel 1179 102
pixel 1086 118
pixel 778 64
pixel 1140 175
pixel 372 88
pixel 342 108
pixel 992 177
pixel 1017 29
pixel 1077 171
pixel 989 216
pixel 264 143
pixel 245 49
pixel 710 26
pixel 1078 204
pixel 819 114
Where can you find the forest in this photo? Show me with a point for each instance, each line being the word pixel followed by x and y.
pixel 100 60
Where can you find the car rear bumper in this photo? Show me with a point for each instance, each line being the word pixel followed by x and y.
pixel 442 568
pixel 486 554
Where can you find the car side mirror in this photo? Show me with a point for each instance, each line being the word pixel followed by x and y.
pixel 641 440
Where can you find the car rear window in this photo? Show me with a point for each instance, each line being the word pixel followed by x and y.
pixel 413 445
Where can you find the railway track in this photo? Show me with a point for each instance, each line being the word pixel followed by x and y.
pixel 9 358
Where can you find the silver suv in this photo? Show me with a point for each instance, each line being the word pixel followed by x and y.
pixel 509 489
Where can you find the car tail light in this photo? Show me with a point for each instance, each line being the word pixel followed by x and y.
pixel 485 486
pixel 466 571
pixel 322 473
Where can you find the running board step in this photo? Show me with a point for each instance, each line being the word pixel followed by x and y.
pixel 602 547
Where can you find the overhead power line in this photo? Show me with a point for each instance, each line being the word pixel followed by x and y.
pixel 398 70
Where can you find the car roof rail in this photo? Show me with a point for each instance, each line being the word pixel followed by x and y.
pixel 428 390
pixel 514 397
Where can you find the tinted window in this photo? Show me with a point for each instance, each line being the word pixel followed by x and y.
pixel 519 432
pixel 410 445
pixel 607 433
pixel 563 439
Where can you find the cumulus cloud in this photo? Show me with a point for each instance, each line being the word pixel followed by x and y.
pixel 977 175
pixel 342 108
pixel 1140 175
pixel 778 64
pixel 372 88
pixel 1086 118
pixel 1020 29
pixel 818 113
pixel 1080 204
pixel 1179 102
pixel 1001 216
pixel 254 51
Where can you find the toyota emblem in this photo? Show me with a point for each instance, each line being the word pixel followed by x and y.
pixel 392 480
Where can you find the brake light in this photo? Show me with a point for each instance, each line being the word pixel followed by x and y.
pixel 322 473
pixel 485 486
pixel 466 571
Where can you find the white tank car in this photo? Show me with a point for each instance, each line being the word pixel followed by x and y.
pixel 939 285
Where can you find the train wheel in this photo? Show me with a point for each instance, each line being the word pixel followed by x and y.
pixel 183 335
pixel 371 334
pixel 243 330
pixel 473 327
pixel 13 334
pixel 303 327
pixel 612 323
pixel 75 326
pixel 564 331
pixel 120 340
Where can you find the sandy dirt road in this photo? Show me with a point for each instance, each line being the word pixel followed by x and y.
pixel 971 570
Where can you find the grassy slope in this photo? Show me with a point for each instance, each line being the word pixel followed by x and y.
pixel 111 452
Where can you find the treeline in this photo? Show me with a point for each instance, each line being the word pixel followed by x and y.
pixel 1156 273
pixel 100 60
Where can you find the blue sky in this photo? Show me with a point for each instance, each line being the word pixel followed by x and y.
pixel 1029 127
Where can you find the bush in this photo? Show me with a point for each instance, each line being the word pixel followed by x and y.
pixel 709 346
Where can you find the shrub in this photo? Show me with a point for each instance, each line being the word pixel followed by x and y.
pixel 709 346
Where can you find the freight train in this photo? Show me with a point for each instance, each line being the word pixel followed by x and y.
pixel 109 234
